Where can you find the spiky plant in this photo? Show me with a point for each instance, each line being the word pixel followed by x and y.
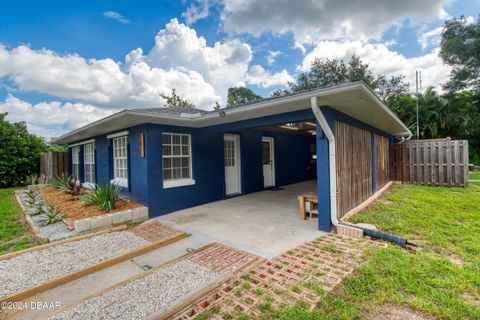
pixel 39 209
pixel 51 217
pixel 61 182
pixel 33 179
pixel 104 197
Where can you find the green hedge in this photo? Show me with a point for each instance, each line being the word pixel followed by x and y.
pixel 19 153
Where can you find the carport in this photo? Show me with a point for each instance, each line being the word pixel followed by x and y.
pixel 264 223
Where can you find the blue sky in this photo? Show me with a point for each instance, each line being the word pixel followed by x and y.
pixel 64 63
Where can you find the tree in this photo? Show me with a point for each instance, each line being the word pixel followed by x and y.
pixel 239 95
pixel 176 101
pixel 460 48
pixel 19 152
pixel 330 72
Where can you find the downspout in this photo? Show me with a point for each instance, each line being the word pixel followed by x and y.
pixel 333 182
pixel 331 158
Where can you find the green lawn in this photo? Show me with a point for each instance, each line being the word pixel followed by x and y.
pixel 475 175
pixel 442 280
pixel 15 233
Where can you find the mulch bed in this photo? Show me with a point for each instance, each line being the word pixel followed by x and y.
pixel 73 208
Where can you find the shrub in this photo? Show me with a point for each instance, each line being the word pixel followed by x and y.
pixel 68 185
pixel 74 187
pixel 19 153
pixel 61 182
pixel 104 197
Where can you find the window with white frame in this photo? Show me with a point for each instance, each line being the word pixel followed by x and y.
pixel 76 162
pixel 89 162
pixel 120 169
pixel 177 159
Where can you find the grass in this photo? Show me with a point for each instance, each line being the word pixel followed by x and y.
pixel 442 280
pixel 15 233
pixel 475 175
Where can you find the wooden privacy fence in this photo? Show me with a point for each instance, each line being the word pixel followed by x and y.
pixel 439 162
pixel 53 164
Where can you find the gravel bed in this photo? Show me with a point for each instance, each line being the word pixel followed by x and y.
pixel 155 292
pixel 37 267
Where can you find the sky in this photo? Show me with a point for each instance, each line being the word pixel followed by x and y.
pixel 64 64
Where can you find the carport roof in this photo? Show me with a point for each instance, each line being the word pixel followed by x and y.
pixel 356 100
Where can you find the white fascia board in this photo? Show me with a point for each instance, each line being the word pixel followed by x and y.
pixel 374 97
pixel 81 143
pixel 255 109
pixel 117 134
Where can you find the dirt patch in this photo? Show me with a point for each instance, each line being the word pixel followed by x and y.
pixel 386 201
pixel 74 209
pixel 397 313
pixel 468 297
pixel 455 259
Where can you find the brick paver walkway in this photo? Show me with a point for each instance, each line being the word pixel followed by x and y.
pixel 220 258
pixel 155 231
pixel 300 275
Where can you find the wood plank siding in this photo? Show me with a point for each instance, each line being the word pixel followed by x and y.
pixel 354 166
pixel 382 161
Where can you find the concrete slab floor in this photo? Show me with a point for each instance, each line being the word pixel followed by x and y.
pixel 264 223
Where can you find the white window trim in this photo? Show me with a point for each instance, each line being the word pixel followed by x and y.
pixel 121 182
pixel 82 143
pixel 117 135
pixel 88 185
pixel 178 183
pixel 76 161
pixel 94 164
pixel 175 183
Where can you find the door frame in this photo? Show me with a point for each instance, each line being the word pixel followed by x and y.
pixel 238 161
pixel 272 158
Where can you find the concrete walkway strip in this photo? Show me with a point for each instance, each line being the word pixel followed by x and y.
pixel 168 287
pixel 38 269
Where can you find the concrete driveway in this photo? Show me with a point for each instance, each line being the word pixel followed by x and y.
pixel 264 223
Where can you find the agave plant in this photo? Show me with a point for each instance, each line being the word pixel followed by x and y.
pixel 32 197
pixel 40 209
pixel 51 217
pixel 104 197
pixel 61 182
pixel 33 179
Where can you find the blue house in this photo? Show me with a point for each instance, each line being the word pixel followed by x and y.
pixel 170 159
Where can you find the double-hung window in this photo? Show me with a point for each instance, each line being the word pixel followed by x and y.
pixel 89 162
pixel 76 162
pixel 177 160
pixel 120 165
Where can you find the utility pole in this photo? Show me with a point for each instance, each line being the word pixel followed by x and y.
pixel 418 80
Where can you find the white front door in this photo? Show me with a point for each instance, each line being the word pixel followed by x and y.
pixel 231 149
pixel 268 160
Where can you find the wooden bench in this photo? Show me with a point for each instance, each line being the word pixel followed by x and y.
pixel 306 197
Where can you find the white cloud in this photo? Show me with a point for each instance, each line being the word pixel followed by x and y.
pixel 49 119
pixel 257 75
pixel 179 59
pixel 430 38
pixel 116 16
pixel 271 56
pixel 383 60
pixel 312 20
pixel 196 11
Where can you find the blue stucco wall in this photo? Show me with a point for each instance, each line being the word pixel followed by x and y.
pixel 292 161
